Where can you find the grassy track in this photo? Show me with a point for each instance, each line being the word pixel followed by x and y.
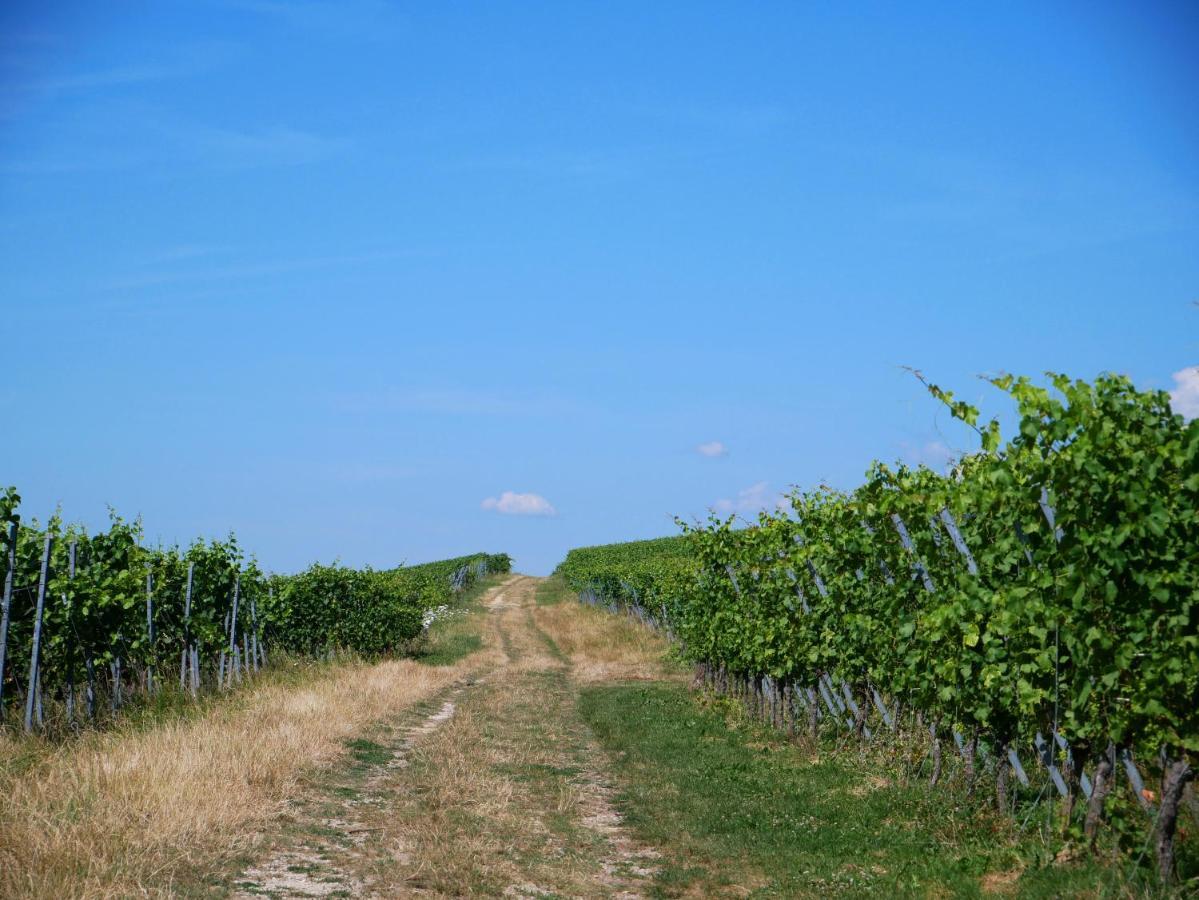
pixel 738 810
pixel 494 787
pixel 535 748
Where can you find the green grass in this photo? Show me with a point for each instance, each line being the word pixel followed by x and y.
pixel 454 641
pixel 735 807
pixel 450 640
pixel 554 590
pixel 367 753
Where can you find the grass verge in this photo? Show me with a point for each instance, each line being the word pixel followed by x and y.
pixel 736 811
pixel 553 590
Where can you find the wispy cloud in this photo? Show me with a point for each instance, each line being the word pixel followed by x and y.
pixel 451 401
pixel 178 252
pixel 752 500
pixel 13 41
pixel 71 164
pixel 945 197
pixel 101 78
pixel 726 120
pixel 241 271
pixel 712 449
pixel 271 146
pixel 699 135
pixel 1184 399
pixel 592 163
pixel 183 62
pixel 361 19
pixel 163 147
pixel 510 503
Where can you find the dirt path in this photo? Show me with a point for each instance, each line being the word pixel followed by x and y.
pixel 495 787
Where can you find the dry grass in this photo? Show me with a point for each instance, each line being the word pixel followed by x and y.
pixel 462 819
pixel 1001 884
pixel 602 646
pixel 502 800
pixel 507 798
pixel 504 795
pixel 508 631
pixel 130 813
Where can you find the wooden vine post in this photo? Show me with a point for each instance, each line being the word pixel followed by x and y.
pixel 1175 776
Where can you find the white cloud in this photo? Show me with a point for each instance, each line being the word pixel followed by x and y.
pixel 511 503
pixel 712 449
pixel 751 500
pixel 934 454
pixel 1184 399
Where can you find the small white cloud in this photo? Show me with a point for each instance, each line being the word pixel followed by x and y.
pixel 1184 399
pixel 751 500
pixel 934 454
pixel 511 503
pixel 712 449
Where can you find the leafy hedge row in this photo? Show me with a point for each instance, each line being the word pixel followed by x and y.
pixel 655 571
pixel 364 610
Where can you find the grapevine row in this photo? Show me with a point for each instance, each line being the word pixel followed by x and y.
pixel 1041 600
pixel 88 619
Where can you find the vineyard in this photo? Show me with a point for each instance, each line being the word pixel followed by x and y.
pixel 91 620
pixel 1036 609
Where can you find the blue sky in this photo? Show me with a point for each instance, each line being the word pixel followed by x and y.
pixel 337 276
